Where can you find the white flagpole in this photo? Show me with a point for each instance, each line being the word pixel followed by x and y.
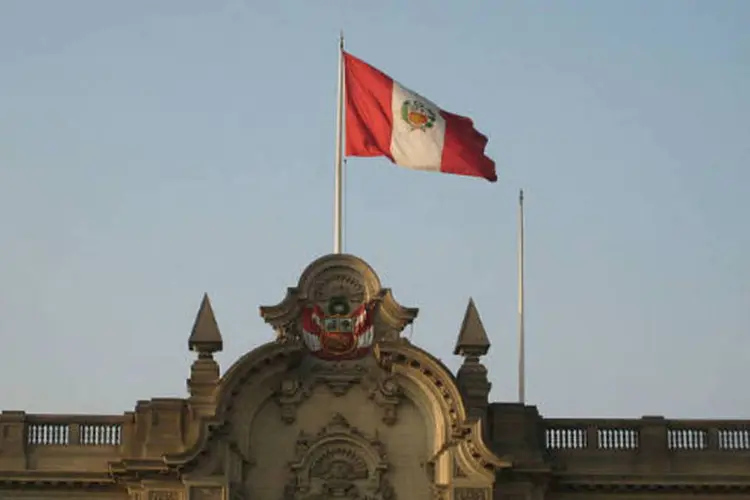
pixel 521 332
pixel 338 165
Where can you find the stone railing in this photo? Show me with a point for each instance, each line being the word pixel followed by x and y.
pixel 89 442
pixel 651 433
pixel 74 430
pixel 62 442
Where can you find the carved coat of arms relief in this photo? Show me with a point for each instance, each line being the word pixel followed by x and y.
pixel 339 462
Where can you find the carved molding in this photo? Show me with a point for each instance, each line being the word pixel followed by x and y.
pixel 475 454
pixel 403 357
pixel 465 432
pixel 338 462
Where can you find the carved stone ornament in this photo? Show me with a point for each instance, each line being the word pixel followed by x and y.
pixel 338 377
pixel 298 385
pixel 471 494
pixel 338 462
pixel 339 309
pixel 387 394
pixel 206 493
pixel 291 393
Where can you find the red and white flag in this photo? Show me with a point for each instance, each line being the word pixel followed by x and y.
pixel 384 118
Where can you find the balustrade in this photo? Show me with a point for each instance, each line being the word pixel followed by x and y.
pixel 59 430
pixel 681 435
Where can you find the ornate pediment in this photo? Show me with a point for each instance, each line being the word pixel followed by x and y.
pixel 340 461
pixel 338 310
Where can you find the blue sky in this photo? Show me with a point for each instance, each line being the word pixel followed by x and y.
pixel 154 151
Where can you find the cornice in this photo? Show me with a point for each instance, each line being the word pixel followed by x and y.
pixel 675 483
pixel 57 479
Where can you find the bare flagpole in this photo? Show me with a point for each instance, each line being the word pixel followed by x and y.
pixel 338 165
pixel 521 332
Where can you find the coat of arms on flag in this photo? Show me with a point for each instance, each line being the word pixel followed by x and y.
pixel 338 332
pixel 418 115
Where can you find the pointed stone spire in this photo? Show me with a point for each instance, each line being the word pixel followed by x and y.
pixel 472 343
pixel 205 337
pixel 472 339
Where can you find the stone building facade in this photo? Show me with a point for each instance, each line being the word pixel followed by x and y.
pixel 341 406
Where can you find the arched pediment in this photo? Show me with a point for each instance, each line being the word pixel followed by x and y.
pixel 338 355
pixel 407 370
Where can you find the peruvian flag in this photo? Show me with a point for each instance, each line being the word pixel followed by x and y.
pixel 384 118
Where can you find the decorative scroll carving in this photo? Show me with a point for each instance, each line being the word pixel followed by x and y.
pixel 470 494
pixel 291 393
pixel 338 376
pixel 338 462
pixel 205 493
pixel 387 394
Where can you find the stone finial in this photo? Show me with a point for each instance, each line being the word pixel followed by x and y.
pixel 472 339
pixel 205 337
pixel 472 343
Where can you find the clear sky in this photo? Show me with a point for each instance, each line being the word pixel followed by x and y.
pixel 154 151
